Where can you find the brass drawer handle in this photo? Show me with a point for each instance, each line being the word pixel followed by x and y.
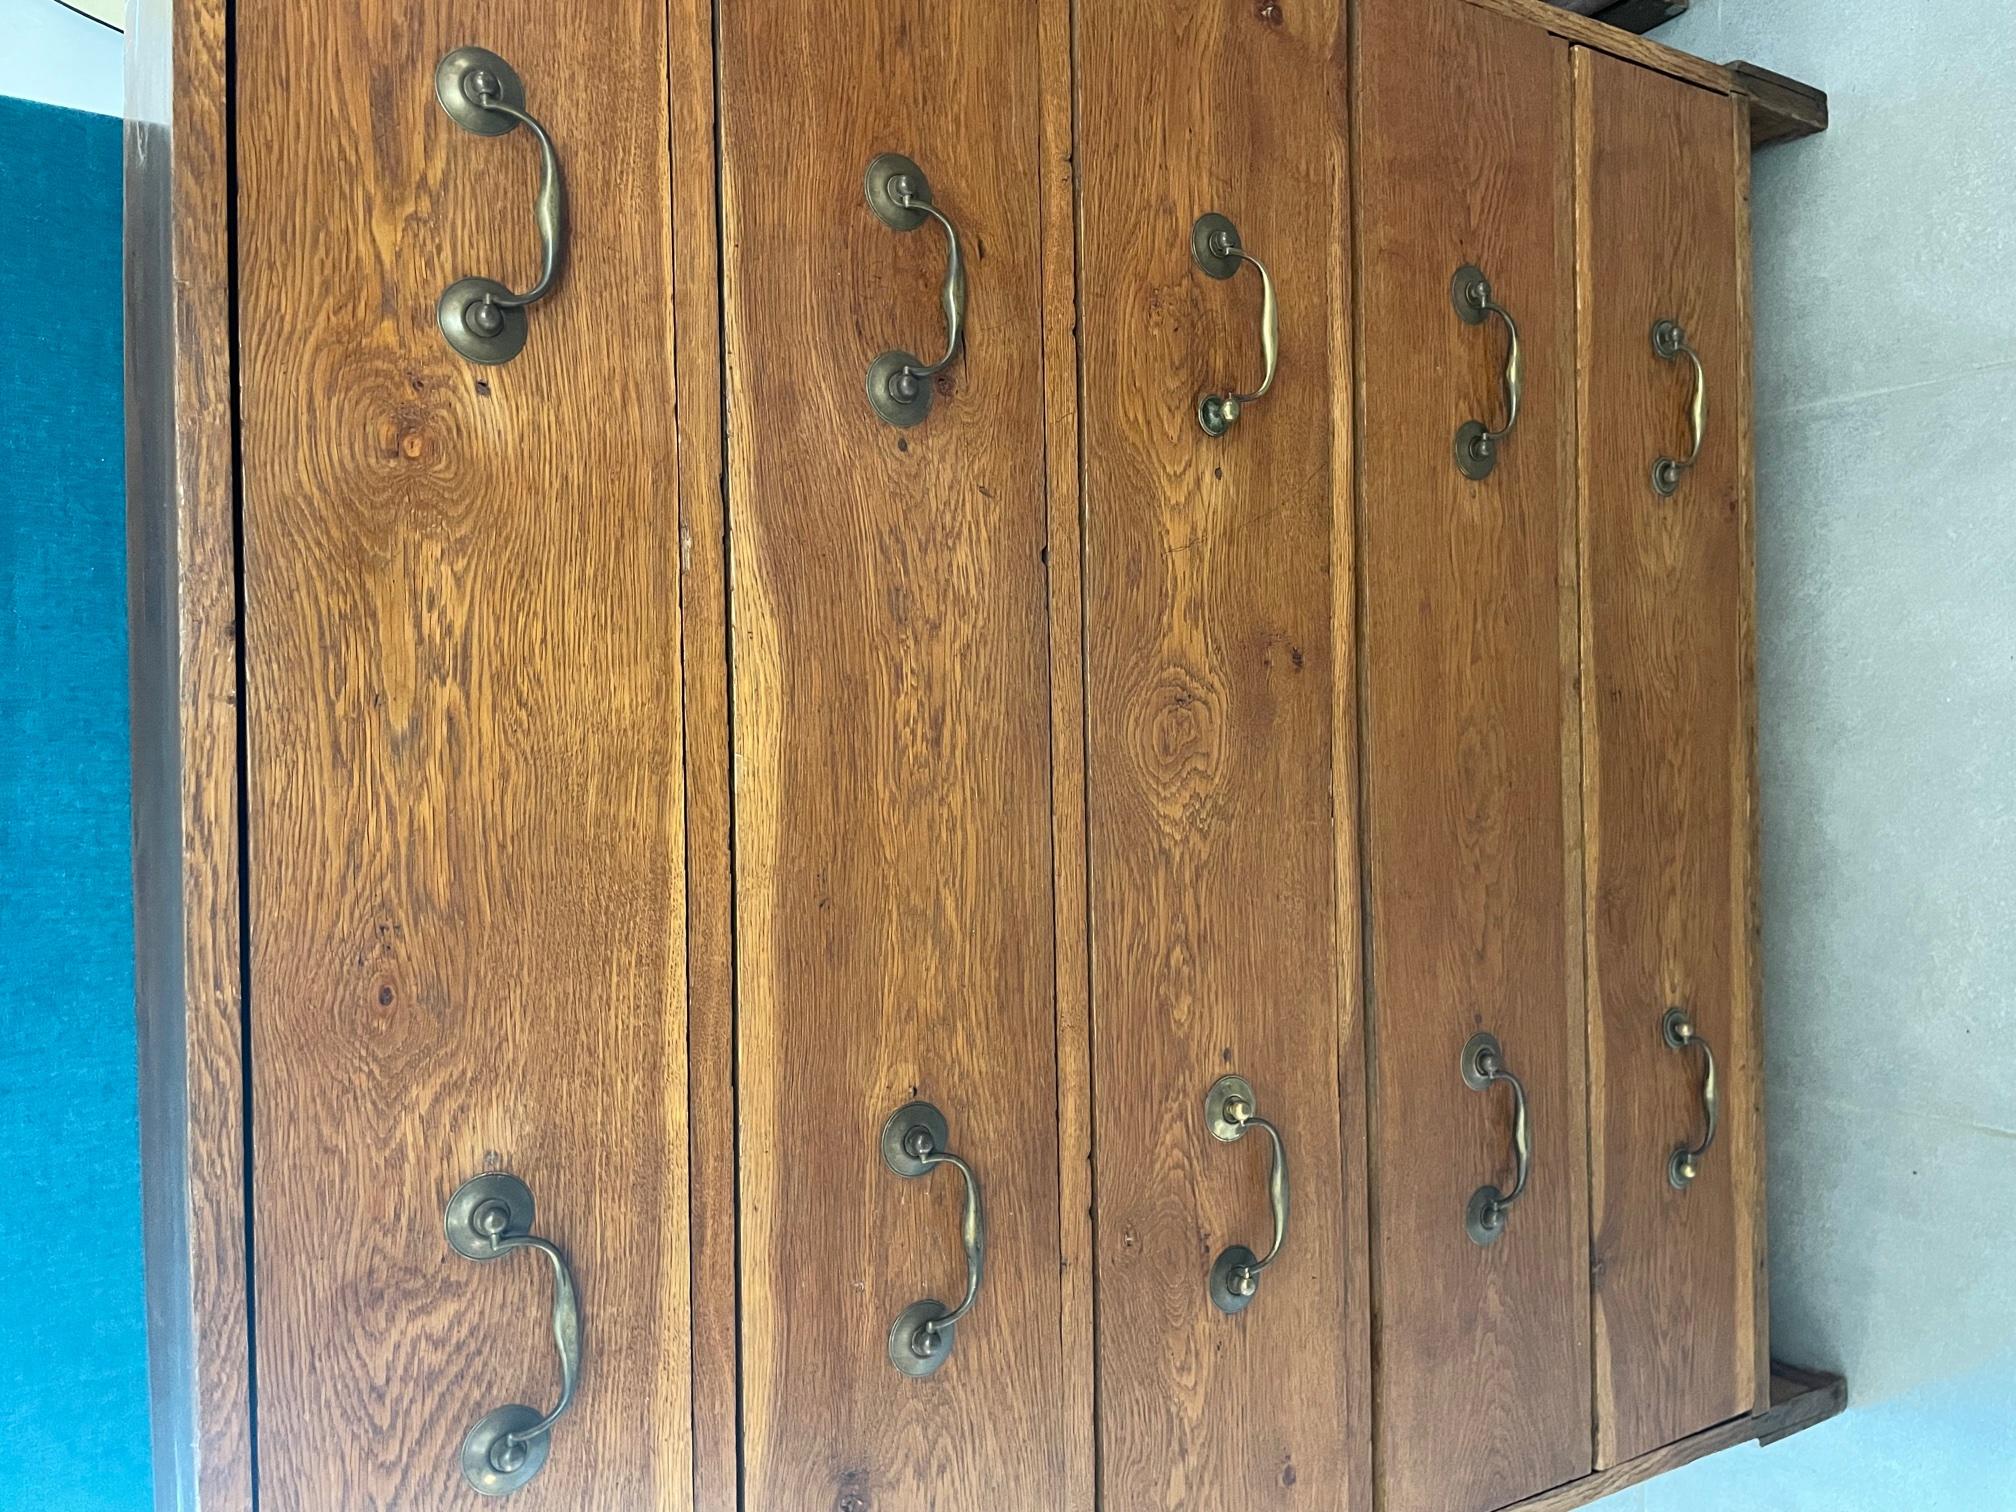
pixel 914 1142
pixel 1669 343
pixel 1678 1031
pixel 1214 245
pixel 482 319
pixel 1476 444
pixel 1229 1111
pixel 488 1217
pixel 899 385
pixel 1483 1067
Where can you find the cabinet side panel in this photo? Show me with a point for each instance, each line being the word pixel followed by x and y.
pixel 182 635
pixel 1746 917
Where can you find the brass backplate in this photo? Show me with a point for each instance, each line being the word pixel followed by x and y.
pixel 1224 1092
pixel 1468 277
pixel 1480 1046
pixel 493 1468
pixel 898 411
pixel 897 1127
pixel 1477 1217
pixel 1205 239
pixel 477 1193
pixel 490 349
pixel 1224 1296
pixel 892 212
pixel 908 1330
pixel 455 89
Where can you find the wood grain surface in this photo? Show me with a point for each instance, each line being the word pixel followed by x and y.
pixel 710 881
pixel 1668 758
pixel 464 758
pixel 1749 1110
pixel 183 639
pixel 1776 109
pixel 1212 646
pixel 892 701
pixel 1610 41
pixel 1472 827
pixel 1793 1401
pixel 1079 1490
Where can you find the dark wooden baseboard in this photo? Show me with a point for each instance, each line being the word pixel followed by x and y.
pixel 1799 1399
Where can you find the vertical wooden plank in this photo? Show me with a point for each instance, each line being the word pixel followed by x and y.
pixel 892 688
pixel 1357 1413
pixel 464 764
pixel 1575 910
pixel 1212 691
pixel 1747 1111
pixel 1065 554
pixel 1470 762
pixel 183 640
pixel 710 882
pixel 1667 773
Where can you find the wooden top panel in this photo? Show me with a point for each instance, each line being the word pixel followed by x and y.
pixel 1632 48
pixel 1781 109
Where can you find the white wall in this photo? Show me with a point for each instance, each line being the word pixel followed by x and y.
pixel 58 57
pixel 1886 664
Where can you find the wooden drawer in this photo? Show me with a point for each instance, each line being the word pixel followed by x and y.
pixel 1472 822
pixel 1668 754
